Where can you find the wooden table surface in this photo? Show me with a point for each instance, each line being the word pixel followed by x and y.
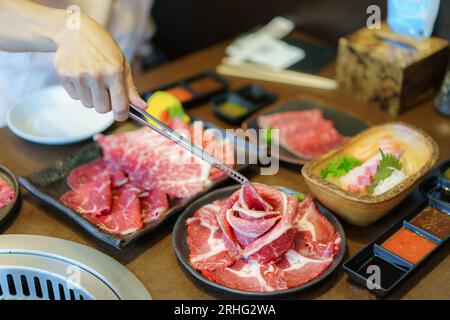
pixel 153 261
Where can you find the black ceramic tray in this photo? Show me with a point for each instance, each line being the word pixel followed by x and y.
pixel 436 185
pixel 251 97
pixel 182 250
pixel 10 179
pixel 198 97
pixel 49 184
pixel 394 269
pixel 345 123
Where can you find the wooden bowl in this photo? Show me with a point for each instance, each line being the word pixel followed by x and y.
pixel 421 153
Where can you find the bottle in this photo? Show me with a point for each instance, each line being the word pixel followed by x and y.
pixel 442 101
pixel 413 18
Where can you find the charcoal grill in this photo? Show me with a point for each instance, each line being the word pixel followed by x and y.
pixel 46 268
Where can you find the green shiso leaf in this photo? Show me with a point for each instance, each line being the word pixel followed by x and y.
pixel 388 164
pixel 339 166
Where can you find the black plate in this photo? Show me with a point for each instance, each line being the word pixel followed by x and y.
pixel 345 123
pixel 49 184
pixel 12 181
pixel 182 250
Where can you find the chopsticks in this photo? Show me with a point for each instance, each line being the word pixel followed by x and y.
pixel 253 71
pixel 141 117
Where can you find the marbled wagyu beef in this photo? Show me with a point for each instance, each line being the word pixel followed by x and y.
pixel 140 172
pixel 305 133
pixel 261 239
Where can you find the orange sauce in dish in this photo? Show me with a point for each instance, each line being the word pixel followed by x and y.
pixel 181 94
pixel 408 245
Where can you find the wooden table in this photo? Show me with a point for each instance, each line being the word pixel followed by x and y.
pixel 153 260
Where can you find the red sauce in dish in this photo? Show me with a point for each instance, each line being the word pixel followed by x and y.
pixel 408 245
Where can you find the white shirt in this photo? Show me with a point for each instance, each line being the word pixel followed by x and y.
pixel 22 73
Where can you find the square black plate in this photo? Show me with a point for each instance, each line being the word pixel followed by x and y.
pixel 49 184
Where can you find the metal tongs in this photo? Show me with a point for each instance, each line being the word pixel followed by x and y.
pixel 141 116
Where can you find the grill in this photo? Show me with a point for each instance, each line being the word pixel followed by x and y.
pixel 45 268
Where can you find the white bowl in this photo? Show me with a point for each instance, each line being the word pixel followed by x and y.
pixel 50 116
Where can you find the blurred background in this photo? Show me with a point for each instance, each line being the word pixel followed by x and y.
pixel 186 26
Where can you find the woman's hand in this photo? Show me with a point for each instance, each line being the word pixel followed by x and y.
pixel 91 67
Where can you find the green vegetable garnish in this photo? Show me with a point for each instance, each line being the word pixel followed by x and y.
pixel 300 197
pixel 388 164
pixel 339 166
pixel 176 112
pixel 268 136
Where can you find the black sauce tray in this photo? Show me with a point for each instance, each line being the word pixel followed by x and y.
pixel 437 186
pixel 198 97
pixel 393 269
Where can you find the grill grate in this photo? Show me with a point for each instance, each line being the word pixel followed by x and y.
pixel 44 268
pixel 14 284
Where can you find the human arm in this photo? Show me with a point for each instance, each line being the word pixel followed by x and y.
pixel 89 63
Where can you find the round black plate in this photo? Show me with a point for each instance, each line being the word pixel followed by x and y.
pixel 12 181
pixel 345 123
pixel 182 250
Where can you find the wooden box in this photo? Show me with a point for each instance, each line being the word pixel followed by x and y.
pixel 393 72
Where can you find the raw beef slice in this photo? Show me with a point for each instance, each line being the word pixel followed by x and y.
pixel 304 133
pixel 7 194
pixel 316 242
pixel 154 205
pixel 154 162
pixel 257 225
pixel 91 198
pixel 249 276
pixel 299 269
pixel 207 249
pixel 125 216
pixel 94 170
pixel 314 225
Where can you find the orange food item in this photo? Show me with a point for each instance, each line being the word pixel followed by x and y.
pixel 408 245
pixel 181 93
pixel 164 116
